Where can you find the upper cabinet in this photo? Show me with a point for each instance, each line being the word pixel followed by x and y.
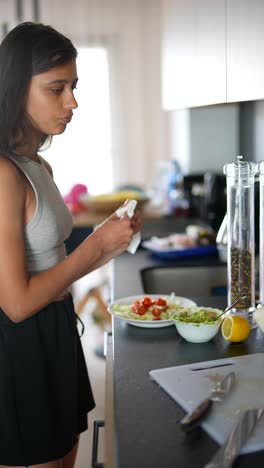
pixel 193 57
pixel 245 50
pixel 213 52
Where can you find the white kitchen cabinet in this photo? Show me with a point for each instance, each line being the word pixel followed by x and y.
pixel 245 50
pixel 194 53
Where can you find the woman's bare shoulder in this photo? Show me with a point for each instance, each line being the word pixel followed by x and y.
pixel 10 177
pixel 7 166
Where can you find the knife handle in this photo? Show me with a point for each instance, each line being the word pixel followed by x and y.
pixel 227 453
pixel 192 418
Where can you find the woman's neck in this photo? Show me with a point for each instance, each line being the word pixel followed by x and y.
pixel 29 149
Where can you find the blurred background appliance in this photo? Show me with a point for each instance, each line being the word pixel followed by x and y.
pixel 206 194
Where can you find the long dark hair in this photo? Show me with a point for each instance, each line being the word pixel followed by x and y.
pixel 28 50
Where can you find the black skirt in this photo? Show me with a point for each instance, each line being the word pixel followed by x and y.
pixel 45 393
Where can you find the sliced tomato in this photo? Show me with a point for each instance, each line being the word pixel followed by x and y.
pixel 160 302
pixel 141 310
pixel 156 318
pixel 147 302
pixel 156 312
pixel 135 306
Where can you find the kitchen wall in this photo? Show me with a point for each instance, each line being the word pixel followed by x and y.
pixel 205 138
pixel 131 29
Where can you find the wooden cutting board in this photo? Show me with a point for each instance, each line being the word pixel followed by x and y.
pixel 188 385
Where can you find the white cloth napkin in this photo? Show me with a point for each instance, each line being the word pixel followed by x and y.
pixel 129 208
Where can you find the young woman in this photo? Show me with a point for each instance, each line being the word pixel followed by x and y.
pixel 45 392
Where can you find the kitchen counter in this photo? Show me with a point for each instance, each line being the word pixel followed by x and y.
pixel 92 218
pixel 144 425
pixel 146 429
pixel 154 224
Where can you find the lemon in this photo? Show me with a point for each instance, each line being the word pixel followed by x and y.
pixel 235 328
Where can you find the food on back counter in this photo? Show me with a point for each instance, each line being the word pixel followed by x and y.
pixel 147 309
pixel 201 235
pixel 194 236
pixel 119 196
pixel 174 241
pixel 110 202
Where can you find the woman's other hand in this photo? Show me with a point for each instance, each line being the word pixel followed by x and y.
pixel 135 221
pixel 114 235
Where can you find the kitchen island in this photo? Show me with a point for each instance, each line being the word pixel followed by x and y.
pixel 146 428
pixel 145 425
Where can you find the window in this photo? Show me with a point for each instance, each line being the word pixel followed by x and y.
pixel 82 154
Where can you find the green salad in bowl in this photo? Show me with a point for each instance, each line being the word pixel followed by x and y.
pixel 197 324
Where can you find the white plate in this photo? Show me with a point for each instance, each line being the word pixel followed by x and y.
pixel 183 301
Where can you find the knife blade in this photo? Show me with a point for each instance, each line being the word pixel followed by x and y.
pixel 218 393
pixel 226 455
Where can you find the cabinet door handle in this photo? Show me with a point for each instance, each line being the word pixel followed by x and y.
pixel 107 334
pixel 97 425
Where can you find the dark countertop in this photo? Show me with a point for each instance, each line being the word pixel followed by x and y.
pixel 146 429
pixel 147 433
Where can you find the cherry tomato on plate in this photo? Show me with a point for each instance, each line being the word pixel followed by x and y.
pixel 156 312
pixel 160 302
pixel 156 318
pixel 147 302
pixel 135 306
pixel 141 310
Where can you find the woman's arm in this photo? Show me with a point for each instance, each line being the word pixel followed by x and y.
pixel 20 295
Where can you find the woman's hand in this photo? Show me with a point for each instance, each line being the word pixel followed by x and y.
pixel 111 238
pixel 114 235
pixel 135 221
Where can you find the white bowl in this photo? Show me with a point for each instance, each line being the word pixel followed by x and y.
pixel 199 332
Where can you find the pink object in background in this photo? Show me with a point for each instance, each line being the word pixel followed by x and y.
pixel 72 199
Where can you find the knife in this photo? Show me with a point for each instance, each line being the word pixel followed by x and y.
pixel 226 455
pixel 218 393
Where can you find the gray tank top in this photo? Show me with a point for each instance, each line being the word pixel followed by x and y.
pixel 51 223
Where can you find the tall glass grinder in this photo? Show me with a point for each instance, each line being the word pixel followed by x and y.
pixel 261 233
pixel 241 236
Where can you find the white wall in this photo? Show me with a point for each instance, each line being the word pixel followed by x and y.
pixel 132 28
pixel 7 13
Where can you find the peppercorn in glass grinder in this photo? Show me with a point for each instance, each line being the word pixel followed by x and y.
pixel 241 236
